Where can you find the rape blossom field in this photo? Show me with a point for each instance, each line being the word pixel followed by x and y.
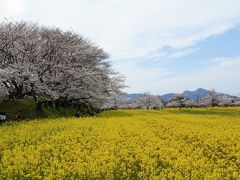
pixel 125 144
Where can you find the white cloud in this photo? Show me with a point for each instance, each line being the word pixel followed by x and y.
pixel 171 54
pixel 139 79
pixel 136 28
pixel 13 8
pixel 182 53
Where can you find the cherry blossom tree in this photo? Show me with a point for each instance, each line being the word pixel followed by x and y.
pixel 149 101
pixel 213 97
pixel 52 65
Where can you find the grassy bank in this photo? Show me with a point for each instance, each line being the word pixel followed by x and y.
pixel 27 106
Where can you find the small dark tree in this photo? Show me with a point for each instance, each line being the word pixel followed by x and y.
pixel 180 99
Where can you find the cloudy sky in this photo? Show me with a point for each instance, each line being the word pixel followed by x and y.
pixel 159 46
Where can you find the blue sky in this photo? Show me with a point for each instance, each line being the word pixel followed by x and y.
pixel 194 61
pixel 204 52
pixel 159 46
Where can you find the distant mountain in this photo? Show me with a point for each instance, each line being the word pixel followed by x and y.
pixel 169 96
pixel 134 96
pixel 227 95
pixel 199 93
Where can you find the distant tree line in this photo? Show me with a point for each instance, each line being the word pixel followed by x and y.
pixel 148 101
pixel 54 67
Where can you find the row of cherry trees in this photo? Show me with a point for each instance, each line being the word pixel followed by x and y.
pixel 213 99
pixel 51 65
pixel 148 101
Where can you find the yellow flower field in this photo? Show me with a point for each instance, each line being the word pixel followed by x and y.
pixel 125 144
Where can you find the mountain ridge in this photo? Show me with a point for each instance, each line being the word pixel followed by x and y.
pixel 193 95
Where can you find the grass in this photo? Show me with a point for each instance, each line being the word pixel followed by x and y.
pixel 28 106
pixel 125 144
